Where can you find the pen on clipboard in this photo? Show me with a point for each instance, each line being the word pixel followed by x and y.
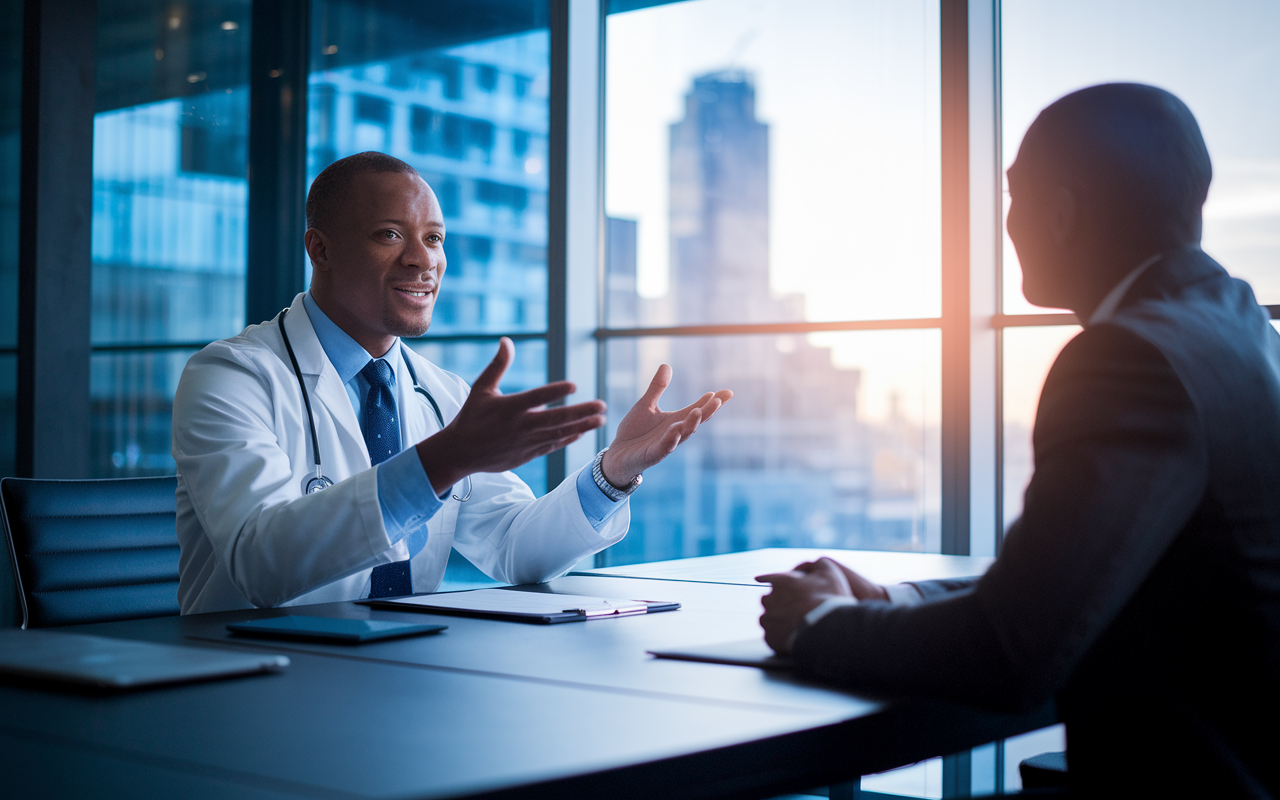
pixel 610 610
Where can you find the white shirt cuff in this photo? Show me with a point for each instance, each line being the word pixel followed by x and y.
pixel 900 594
pixel 904 594
pixel 827 606
pixel 819 611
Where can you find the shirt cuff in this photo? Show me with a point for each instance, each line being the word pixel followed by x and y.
pixel 900 594
pixel 595 504
pixel 827 606
pixel 904 594
pixel 819 611
pixel 406 497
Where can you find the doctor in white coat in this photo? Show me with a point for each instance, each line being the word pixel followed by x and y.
pixel 281 504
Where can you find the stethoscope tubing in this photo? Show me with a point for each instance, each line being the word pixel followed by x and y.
pixel 320 481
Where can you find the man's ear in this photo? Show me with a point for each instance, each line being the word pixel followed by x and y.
pixel 1064 216
pixel 317 249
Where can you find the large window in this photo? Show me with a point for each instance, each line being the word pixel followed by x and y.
pixel 170 190
pixel 771 208
pixel 774 167
pixel 771 220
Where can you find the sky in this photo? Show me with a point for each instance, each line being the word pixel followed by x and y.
pixel 849 89
pixel 1221 58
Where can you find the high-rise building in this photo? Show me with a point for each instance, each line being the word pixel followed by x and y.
pixel 790 462
pixel 720 205
pixel 170 218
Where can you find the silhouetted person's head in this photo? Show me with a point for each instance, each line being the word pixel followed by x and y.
pixel 1105 178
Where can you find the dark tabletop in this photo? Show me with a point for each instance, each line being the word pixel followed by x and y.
pixel 485 709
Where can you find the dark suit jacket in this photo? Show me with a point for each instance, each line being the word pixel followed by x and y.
pixel 1141 587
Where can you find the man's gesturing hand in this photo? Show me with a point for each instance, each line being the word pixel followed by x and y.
pixel 494 432
pixel 795 594
pixel 648 434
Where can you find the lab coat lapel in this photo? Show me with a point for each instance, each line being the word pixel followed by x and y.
pixel 429 562
pixel 328 395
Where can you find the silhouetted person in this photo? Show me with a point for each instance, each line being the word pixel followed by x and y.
pixel 1141 586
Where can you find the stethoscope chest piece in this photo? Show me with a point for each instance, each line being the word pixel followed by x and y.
pixel 318 484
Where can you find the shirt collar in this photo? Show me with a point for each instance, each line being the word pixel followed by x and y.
pixel 345 353
pixel 1107 308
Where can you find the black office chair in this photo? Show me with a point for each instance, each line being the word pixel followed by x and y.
pixel 92 550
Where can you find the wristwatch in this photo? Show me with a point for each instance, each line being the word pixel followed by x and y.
pixel 610 491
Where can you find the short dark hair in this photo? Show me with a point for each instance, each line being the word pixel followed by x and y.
pixel 1133 151
pixel 333 182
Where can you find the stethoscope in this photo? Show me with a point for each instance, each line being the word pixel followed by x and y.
pixel 319 482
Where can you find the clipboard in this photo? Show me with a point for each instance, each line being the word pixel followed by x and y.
pixel 539 608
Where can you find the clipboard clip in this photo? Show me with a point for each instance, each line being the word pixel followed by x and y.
pixel 620 610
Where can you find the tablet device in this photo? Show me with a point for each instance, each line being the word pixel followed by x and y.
pixel 100 662
pixel 330 629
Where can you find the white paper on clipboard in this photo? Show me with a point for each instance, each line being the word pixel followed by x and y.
pixel 504 601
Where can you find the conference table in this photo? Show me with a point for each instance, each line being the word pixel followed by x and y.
pixel 495 709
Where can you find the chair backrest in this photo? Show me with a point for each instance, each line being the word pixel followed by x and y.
pixel 92 550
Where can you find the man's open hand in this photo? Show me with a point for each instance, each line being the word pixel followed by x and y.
pixel 795 594
pixel 494 432
pixel 648 434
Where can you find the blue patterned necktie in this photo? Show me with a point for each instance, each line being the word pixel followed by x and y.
pixel 382 438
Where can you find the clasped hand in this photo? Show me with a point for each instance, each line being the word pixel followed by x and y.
pixel 803 589
pixel 494 432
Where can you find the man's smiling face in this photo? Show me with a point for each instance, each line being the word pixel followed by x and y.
pixel 378 268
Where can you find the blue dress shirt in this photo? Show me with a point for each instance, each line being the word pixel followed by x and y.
pixel 405 494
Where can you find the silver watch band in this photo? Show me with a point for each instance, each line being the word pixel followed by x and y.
pixel 610 491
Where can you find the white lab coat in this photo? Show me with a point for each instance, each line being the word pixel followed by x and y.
pixel 251 537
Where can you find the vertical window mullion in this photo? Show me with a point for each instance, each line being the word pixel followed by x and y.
pixel 55 268
pixel 955 277
pixel 278 69
pixel 557 216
